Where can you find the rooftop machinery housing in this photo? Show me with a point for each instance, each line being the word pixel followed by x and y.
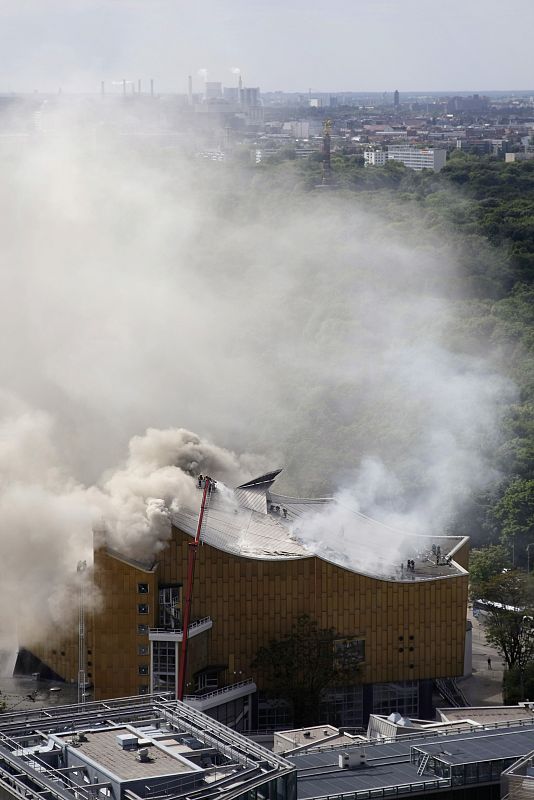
pixel 132 749
pixel 255 576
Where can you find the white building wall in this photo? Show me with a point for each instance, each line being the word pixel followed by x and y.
pixel 375 158
pixel 418 158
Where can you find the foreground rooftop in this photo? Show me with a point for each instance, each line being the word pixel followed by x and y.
pixel 132 748
pixel 417 765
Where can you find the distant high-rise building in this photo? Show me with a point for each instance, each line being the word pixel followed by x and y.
pixel 250 96
pixel 213 90
pixel 396 98
pixel 231 94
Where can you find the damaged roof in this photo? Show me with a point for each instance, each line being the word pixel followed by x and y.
pixel 253 522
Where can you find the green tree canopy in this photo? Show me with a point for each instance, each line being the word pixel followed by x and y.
pixel 301 665
pixel 515 512
pixel 507 623
pixel 484 564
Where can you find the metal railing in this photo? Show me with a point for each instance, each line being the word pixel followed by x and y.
pixel 449 689
pixel 52 780
pixel 178 631
pixel 390 791
pixel 434 733
pixel 216 692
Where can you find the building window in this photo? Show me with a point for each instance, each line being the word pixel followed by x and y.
pixel 349 653
pixel 170 612
pixel 207 680
pixel 273 714
pixel 142 608
pixel 343 706
pixel 142 629
pixel 163 666
pixel 143 669
pixel 400 697
pixel 142 588
pixel 142 650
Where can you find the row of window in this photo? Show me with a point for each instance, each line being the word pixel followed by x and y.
pixel 143 649
pixel 402 697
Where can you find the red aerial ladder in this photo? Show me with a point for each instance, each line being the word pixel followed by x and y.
pixel 191 559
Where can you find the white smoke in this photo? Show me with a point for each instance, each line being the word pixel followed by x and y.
pixel 144 291
pixel 47 518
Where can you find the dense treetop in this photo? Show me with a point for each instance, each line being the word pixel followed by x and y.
pixel 484 209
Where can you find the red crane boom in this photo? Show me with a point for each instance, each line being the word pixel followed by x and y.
pixel 191 560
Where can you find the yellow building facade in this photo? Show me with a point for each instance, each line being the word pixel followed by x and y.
pixel 409 625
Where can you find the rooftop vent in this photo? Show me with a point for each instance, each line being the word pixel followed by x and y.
pixel 307 734
pixel 127 741
pixel 353 759
pixel 78 739
pixel 142 755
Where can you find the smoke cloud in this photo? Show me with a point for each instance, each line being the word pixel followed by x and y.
pixel 148 294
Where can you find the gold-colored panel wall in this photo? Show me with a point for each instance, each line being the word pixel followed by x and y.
pixel 116 658
pixel 252 601
pixel 59 652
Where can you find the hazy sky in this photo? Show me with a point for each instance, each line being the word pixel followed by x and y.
pixel 293 45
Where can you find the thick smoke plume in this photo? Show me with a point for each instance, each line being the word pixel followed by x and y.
pixel 144 290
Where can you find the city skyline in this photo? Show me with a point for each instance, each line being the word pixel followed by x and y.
pixel 282 46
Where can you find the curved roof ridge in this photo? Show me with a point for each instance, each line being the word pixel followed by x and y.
pixel 306 499
pixel 401 531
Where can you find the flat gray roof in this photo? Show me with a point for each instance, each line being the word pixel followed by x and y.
pixel 26 736
pixel 485 714
pixel 468 749
pixel 102 748
pixel 389 763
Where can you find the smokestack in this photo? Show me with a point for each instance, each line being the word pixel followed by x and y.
pixel 239 89
pixel 124 88
pixel 102 88
pixel 139 86
pixel 190 90
pixel 152 87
